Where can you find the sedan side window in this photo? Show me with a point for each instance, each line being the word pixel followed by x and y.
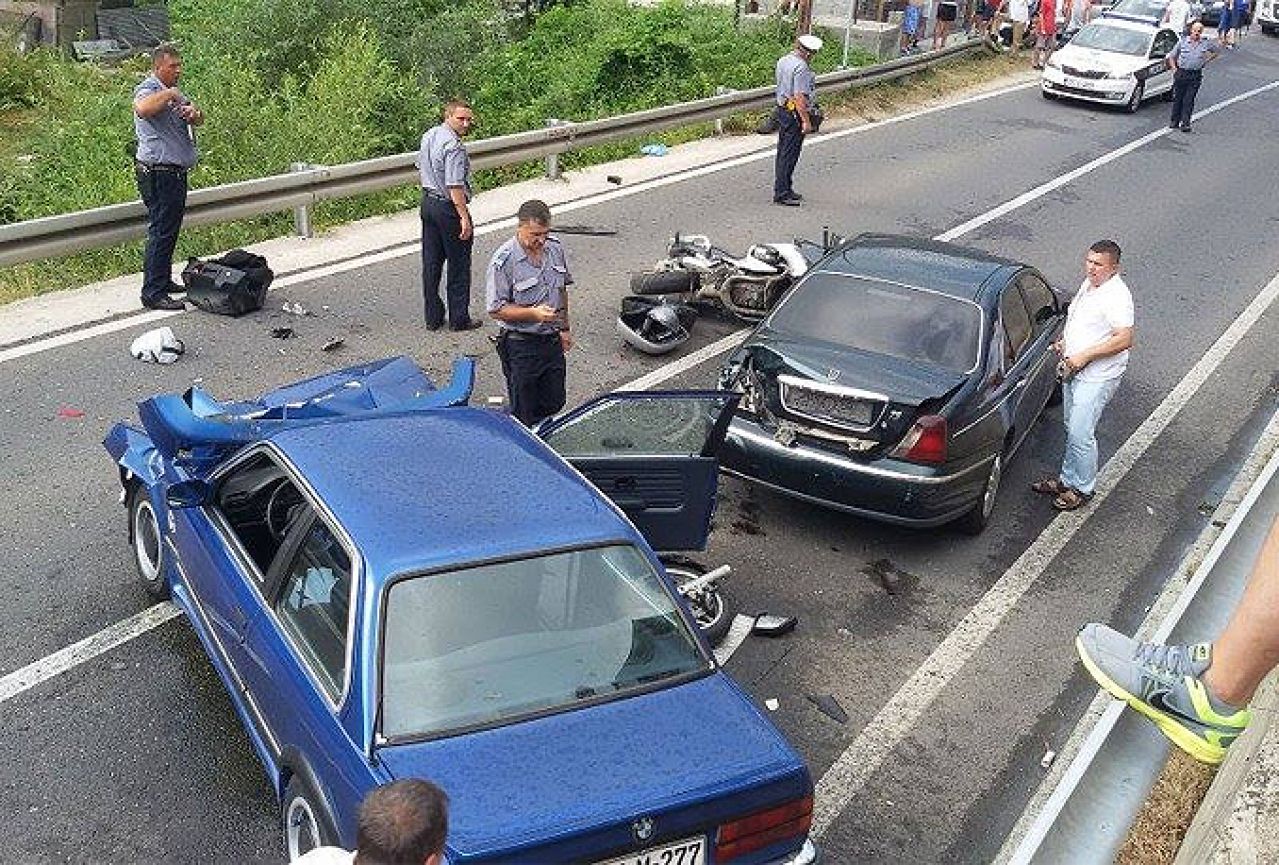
pixel 1012 314
pixel 259 501
pixel 313 604
pixel 1040 301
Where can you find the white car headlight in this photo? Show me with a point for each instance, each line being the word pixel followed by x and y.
pixel 1118 75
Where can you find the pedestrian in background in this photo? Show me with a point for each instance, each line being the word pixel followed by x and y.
pixel 1045 33
pixel 1177 16
pixel 1197 695
pixel 796 99
pixel 163 119
pixel 947 12
pixel 447 232
pixel 1187 59
pixel 401 823
pixel 987 10
pixel 1094 354
pixel 527 292
pixel 910 25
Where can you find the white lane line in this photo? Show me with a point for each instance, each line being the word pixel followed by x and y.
pixel 86 650
pixel 737 634
pixel 687 362
pixel 894 722
pixel 492 226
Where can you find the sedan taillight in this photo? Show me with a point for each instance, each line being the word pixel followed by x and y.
pixel 926 441
pixel 763 829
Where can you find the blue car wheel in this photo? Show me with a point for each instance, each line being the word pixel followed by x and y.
pixel 148 545
pixel 304 823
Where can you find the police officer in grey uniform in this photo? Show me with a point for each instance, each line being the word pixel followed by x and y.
pixel 162 121
pixel 527 292
pixel 447 233
pixel 1187 60
pixel 796 98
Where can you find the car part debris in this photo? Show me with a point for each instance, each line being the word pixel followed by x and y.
pixel 614 179
pixel 282 333
pixel 333 344
pixel 158 346
pixel 67 411
pixel 296 309
pixel 772 704
pixel 828 706
pixel 770 625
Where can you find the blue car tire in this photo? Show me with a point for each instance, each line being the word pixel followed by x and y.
pixel 303 822
pixel 148 544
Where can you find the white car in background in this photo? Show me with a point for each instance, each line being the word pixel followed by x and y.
pixel 1268 17
pixel 1112 61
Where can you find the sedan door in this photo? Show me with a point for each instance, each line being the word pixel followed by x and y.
pixel 654 454
pixel 1159 78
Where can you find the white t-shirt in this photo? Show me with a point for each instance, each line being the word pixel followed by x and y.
pixel 326 856
pixel 1019 10
pixel 1178 15
pixel 1094 314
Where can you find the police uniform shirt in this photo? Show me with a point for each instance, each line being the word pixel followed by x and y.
pixel 513 277
pixel 1192 54
pixel 442 162
pixel 163 138
pixel 794 75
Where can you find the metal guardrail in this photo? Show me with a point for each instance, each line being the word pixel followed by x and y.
pixel 117 223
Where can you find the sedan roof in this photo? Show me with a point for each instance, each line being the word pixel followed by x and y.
pixel 958 271
pixel 429 489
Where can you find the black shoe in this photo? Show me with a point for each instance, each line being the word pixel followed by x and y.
pixel 469 324
pixel 1172 126
pixel 434 325
pixel 1185 127
pixel 787 202
pixel 176 288
pixel 796 196
pixel 163 302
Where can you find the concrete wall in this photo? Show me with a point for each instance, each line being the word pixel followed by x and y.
pixel 61 21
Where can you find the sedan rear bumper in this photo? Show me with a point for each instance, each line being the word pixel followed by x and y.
pixel 888 490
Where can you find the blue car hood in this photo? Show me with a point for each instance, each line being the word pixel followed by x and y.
pixel 570 785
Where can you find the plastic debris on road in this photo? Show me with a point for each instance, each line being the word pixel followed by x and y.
pixel 333 344
pixel 296 309
pixel 770 625
pixel 282 333
pixel 828 706
pixel 772 704
pixel 159 345
pixel 655 150
pixel 1047 759
pixel 67 411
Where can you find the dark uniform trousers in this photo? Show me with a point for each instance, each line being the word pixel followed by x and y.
pixel 790 140
pixel 164 192
pixel 1185 87
pixel 534 366
pixel 440 243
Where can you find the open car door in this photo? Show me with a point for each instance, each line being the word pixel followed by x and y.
pixel 654 453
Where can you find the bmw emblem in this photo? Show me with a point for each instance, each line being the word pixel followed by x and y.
pixel 642 829
pixel 832 374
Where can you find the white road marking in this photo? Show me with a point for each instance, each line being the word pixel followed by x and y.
pixel 87 649
pixel 737 634
pixel 492 226
pixel 687 362
pixel 894 722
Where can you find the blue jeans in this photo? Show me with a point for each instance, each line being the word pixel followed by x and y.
pixel 1082 403
pixel 165 195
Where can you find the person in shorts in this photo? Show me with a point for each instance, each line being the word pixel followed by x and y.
pixel 910 26
pixel 1045 32
pixel 947 12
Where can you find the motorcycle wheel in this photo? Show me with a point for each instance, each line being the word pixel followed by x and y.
pixel 664 282
pixel 713 609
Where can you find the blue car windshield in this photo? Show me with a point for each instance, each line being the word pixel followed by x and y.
pixel 1119 40
pixel 883 318
pixel 494 643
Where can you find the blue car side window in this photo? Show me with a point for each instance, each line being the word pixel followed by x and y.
pixel 314 603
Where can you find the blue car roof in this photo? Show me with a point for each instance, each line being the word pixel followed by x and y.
pixel 431 489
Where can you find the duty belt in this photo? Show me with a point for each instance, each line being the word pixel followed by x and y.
pixel 162 167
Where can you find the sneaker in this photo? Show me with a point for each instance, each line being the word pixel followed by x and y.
pixel 1163 683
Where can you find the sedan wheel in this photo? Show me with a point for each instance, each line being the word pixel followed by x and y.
pixel 303 826
pixel 148 545
pixel 975 521
pixel 1134 101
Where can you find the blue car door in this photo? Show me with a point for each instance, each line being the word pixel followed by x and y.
pixel 655 454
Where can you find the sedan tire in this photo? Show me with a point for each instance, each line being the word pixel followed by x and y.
pixel 1134 102
pixel 975 521
pixel 148 543
pixel 1050 96
pixel 303 823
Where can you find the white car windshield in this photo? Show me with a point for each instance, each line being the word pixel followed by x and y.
pixel 494 643
pixel 1119 40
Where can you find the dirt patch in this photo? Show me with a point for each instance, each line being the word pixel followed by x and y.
pixel 1161 824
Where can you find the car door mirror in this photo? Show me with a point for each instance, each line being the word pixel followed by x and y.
pixel 188 494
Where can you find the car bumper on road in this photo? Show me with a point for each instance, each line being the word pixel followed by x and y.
pixel 889 490
pixel 1108 91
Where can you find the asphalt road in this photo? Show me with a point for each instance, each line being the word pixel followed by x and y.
pixel 136 755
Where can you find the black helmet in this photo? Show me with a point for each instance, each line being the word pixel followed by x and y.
pixel 653 325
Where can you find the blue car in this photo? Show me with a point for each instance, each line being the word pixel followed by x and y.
pixel 392 584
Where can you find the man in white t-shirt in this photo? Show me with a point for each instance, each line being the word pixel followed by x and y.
pixel 1177 16
pixel 1094 354
pixel 1019 14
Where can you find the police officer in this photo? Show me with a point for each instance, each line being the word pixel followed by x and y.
pixel 796 97
pixel 1187 59
pixel 162 121
pixel 527 292
pixel 447 233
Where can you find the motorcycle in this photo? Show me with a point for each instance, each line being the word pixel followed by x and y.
pixel 713 610
pixel 697 271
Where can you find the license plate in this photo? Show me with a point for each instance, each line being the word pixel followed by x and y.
pixel 1082 83
pixel 690 851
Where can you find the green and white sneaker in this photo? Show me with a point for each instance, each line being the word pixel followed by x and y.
pixel 1162 683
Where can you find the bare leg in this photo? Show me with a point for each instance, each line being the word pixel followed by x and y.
pixel 1249 647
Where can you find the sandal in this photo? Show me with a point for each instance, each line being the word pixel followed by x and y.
pixel 1049 487
pixel 1070 500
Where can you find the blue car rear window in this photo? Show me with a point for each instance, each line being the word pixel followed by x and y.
pixel 497 642
pixel 883 318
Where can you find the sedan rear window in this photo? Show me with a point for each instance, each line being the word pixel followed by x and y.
pixel 883 318
pixel 494 643
pixel 1120 40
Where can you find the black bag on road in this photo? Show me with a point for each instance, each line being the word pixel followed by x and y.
pixel 234 284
